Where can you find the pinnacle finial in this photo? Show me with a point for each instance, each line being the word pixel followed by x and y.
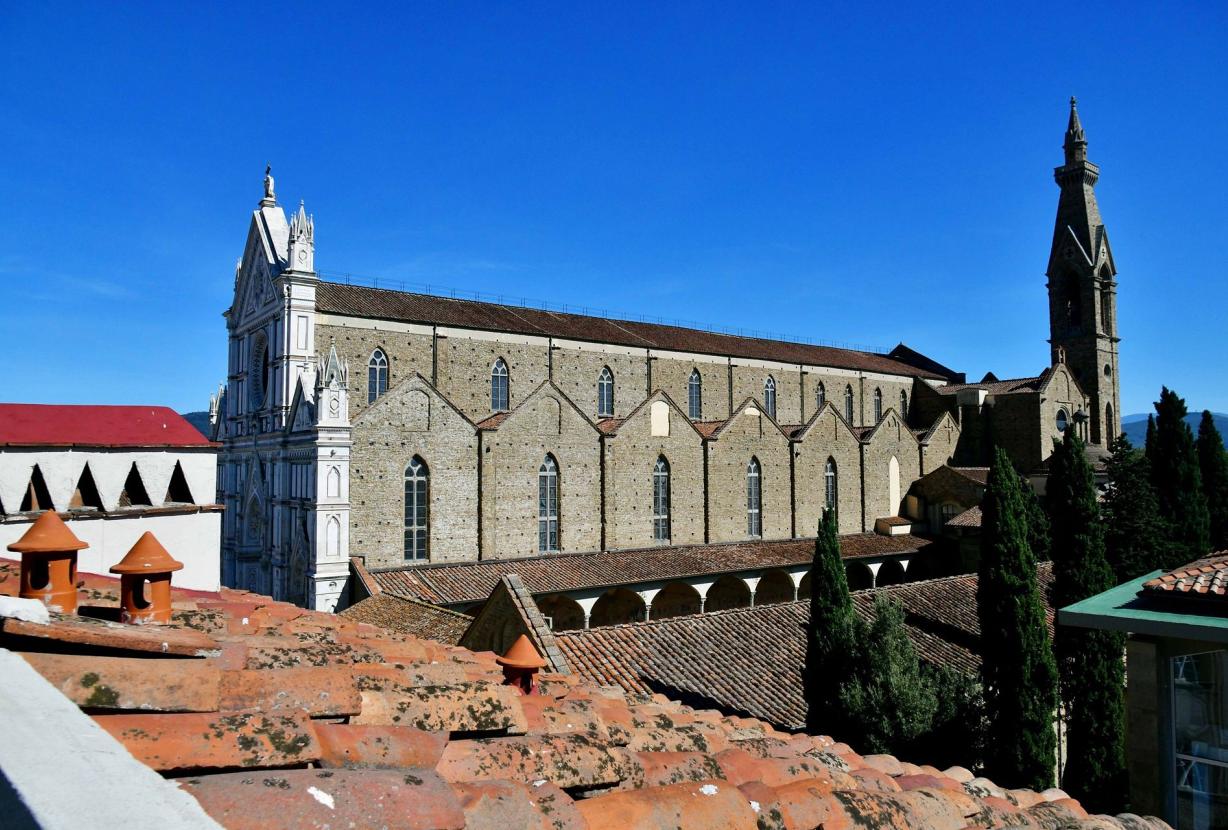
pixel 1076 142
pixel 270 197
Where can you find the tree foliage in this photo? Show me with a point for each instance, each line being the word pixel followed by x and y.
pixel 1019 677
pixel 1213 466
pixel 831 635
pixel 1090 669
pixel 889 699
pixel 866 684
pixel 1178 482
pixel 1134 533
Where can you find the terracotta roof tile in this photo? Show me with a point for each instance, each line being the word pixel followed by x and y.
pixel 360 301
pixel 969 518
pixel 1203 579
pixel 450 584
pixel 342 723
pixel 410 616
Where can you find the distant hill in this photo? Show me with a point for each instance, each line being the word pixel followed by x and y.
pixel 200 420
pixel 1135 426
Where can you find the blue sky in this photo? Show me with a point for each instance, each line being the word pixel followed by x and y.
pixel 858 176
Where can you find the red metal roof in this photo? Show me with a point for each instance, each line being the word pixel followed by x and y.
pixel 35 425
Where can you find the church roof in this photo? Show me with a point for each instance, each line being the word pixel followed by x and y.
pixel 275 716
pixel 55 425
pixel 998 387
pixel 410 616
pixel 749 660
pixel 449 584
pixel 383 304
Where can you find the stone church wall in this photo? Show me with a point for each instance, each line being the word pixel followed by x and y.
pixel 673 376
pixel 828 437
pixel 940 446
pixel 750 434
pixel 407 353
pixel 412 420
pixel 576 372
pixel 511 458
pixel 630 458
pixel 891 439
pixel 465 364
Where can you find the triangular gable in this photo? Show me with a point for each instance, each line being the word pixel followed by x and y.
pixel 264 256
pixel 828 409
pixel 740 412
pixel 414 379
pixel 645 407
pixel 546 387
pixel 302 410
pixel 944 418
pixel 509 612
pixel 890 422
pixel 1050 375
pixel 1068 237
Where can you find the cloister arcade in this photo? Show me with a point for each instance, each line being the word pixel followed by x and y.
pixel 590 608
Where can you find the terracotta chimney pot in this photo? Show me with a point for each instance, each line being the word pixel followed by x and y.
pixel 147 561
pixel 49 563
pixel 520 665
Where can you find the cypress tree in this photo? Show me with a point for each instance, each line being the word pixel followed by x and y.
pixel 1213 466
pixel 1134 534
pixel 1038 521
pixel 889 699
pixel 831 634
pixel 1018 674
pixel 1092 677
pixel 1178 482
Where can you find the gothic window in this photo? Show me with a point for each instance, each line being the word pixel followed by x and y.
pixel 377 375
pixel 830 483
pixel 903 403
pixel 848 404
pixel 1072 304
pixel 1109 433
pixel 417 510
pixel 1062 420
pixel 605 393
pixel 1106 302
pixel 498 386
pixel 258 371
pixel 820 396
pixel 548 505
pixel 660 500
pixel 769 396
pixel 754 498
pixel 695 395
pixel 878 405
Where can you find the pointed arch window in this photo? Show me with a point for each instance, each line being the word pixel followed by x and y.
pixel 903 403
pixel 499 386
pixel 660 500
pixel 754 498
pixel 1106 311
pixel 820 396
pixel 605 393
pixel 548 505
pixel 1109 432
pixel 848 404
pixel 769 396
pixel 878 405
pixel 417 510
pixel 830 484
pixel 377 375
pixel 695 395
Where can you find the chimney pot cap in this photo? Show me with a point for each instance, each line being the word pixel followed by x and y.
pixel 48 534
pixel 522 655
pixel 147 557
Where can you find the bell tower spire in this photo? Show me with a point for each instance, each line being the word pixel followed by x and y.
pixel 1083 287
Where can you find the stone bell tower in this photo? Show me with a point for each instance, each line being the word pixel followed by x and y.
pixel 1083 288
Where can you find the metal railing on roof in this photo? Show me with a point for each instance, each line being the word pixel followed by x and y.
pixel 522 301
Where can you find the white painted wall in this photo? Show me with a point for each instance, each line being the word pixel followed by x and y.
pixel 192 538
